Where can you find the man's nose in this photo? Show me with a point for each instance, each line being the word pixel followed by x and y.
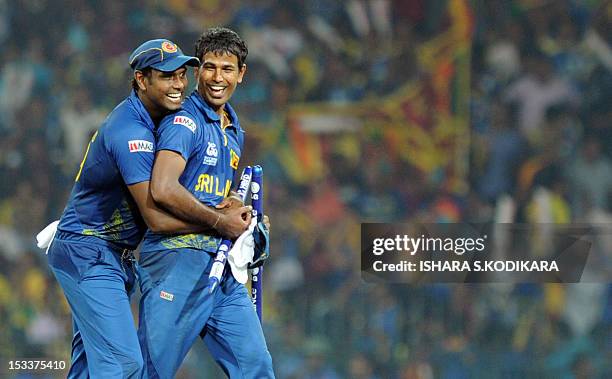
pixel 178 83
pixel 217 77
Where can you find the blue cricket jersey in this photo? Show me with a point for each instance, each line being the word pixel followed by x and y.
pixel 212 154
pixel 119 154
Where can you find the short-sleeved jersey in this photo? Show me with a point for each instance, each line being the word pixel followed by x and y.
pixel 120 154
pixel 212 154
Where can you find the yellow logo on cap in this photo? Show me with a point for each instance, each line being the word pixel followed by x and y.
pixel 168 47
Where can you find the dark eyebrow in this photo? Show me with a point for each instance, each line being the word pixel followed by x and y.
pixel 227 65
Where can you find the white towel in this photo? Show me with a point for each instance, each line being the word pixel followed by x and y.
pixel 44 238
pixel 241 253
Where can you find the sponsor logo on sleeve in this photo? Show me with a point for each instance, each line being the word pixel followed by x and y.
pixel 186 122
pixel 139 145
pixel 234 159
pixel 211 154
pixel 166 295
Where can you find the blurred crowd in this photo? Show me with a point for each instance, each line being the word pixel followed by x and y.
pixel 539 152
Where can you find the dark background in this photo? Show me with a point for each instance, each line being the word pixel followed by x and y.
pixel 377 111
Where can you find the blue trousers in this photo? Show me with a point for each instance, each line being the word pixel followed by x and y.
pixel 97 284
pixel 176 308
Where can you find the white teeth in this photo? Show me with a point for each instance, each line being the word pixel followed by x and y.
pixel 174 95
pixel 215 88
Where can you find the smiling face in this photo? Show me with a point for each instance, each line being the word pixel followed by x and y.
pixel 218 77
pixel 161 92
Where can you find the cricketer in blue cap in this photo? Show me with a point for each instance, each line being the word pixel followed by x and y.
pixel 160 76
pixel 162 55
pixel 102 223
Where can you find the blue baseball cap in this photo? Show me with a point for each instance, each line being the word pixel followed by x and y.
pixel 162 55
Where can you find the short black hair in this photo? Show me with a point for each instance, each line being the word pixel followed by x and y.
pixel 146 72
pixel 222 40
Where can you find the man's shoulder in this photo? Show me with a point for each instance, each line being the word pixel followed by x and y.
pixel 233 116
pixel 125 124
pixel 183 118
pixel 123 116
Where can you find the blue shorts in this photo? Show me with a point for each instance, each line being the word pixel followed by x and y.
pixel 176 308
pixel 97 283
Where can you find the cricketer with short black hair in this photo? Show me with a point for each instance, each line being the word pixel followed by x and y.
pixel 91 254
pixel 198 150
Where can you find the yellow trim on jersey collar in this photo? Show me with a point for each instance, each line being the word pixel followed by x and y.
pixel 225 121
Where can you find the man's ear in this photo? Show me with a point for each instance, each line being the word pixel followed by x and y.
pixel 241 73
pixel 140 80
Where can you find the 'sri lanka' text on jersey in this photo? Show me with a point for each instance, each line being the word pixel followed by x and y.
pixel 120 153
pixel 212 154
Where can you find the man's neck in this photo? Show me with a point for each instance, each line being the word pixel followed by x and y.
pixel 154 111
pixel 219 110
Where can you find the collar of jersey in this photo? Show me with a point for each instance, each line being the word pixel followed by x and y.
pixel 141 110
pixel 211 115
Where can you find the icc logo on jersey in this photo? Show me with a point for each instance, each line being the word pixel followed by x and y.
pixel 211 154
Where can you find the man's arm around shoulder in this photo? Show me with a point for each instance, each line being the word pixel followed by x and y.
pixel 167 191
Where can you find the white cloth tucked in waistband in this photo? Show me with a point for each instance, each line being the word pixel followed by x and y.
pixel 44 238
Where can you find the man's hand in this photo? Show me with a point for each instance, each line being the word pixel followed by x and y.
pixel 230 202
pixel 261 237
pixel 234 221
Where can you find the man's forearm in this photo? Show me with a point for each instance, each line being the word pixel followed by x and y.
pixel 181 203
pixel 169 224
pixel 169 193
pixel 160 220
